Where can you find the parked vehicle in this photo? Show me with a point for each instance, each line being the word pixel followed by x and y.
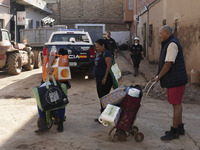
pixel 79 46
pixel 36 38
pixel 14 56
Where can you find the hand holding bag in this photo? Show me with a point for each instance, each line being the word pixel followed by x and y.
pixel 61 68
pixel 115 73
pixel 51 96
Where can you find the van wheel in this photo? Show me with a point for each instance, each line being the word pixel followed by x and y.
pixel 30 64
pixel 14 64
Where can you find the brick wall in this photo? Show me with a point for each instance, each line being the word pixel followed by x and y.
pixel 70 12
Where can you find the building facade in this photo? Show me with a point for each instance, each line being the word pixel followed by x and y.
pixel 26 14
pixel 72 12
pixel 5 14
pixel 94 16
pixel 183 16
pixel 133 8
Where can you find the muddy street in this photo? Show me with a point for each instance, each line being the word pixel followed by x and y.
pixel 19 117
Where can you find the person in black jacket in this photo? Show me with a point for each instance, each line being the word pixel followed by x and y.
pixel 136 55
pixel 111 44
pixel 173 76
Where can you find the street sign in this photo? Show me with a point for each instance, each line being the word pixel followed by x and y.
pixel 21 18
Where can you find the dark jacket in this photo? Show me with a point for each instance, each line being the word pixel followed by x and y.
pixel 111 45
pixel 177 75
pixel 136 51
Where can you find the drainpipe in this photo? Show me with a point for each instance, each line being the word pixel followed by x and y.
pixel 147 33
pixel 147 8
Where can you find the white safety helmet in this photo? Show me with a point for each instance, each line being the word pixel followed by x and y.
pixel 136 38
pixel 72 39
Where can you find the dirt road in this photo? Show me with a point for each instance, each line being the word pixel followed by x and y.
pixel 19 116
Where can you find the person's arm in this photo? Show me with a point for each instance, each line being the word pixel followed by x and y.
pixel 142 52
pixel 172 52
pixel 167 66
pixel 50 62
pixel 115 48
pixel 131 49
pixel 115 53
pixel 109 64
pixel 52 57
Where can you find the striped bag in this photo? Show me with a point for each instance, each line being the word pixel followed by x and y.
pixel 115 97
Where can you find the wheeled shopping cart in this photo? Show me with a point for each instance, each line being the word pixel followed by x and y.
pixel 129 107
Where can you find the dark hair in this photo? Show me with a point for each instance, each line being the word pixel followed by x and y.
pixel 62 51
pixel 102 42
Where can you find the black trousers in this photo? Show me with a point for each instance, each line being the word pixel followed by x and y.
pixel 103 90
pixel 136 62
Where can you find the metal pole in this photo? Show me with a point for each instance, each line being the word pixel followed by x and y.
pixel 147 35
pixel 15 19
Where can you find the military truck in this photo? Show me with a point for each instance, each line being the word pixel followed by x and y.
pixel 14 56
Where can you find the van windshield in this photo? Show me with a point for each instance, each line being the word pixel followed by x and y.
pixel 70 38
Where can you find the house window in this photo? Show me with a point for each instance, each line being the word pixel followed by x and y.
pixel 5 36
pixel 150 35
pixel 164 22
pixel 30 24
pixel 37 24
pixel 1 23
pixel 124 4
pixel 176 27
pixel 130 4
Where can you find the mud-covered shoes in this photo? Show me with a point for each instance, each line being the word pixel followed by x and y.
pixel 172 134
pixel 60 125
pixel 180 129
pixel 42 126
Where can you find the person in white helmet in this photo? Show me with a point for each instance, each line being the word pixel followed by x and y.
pixel 136 55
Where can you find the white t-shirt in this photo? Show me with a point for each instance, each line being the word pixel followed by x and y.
pixel 172 52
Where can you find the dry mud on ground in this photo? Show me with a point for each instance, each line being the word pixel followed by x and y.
pixel 19 117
